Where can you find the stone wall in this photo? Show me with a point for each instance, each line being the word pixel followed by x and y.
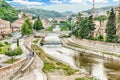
pixel 8 71
pixel 103 46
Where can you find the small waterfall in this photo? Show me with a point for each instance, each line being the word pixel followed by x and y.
pixel 99 72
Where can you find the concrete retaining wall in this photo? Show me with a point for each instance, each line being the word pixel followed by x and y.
pixel 8 71
pixel 103 46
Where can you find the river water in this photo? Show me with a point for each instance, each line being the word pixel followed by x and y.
pixel 98 67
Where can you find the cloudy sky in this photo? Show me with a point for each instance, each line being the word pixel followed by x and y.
pixel 65 5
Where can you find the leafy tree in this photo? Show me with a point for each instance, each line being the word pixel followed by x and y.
pixel 29 23
pixel 101 18
pixel 111 28
pixel 84 28
pixel 27 28
pixel 69 24
pixel 38 24
pixel 7 12
pixel 13 53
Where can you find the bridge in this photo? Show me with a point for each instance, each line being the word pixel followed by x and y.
pixel 44 33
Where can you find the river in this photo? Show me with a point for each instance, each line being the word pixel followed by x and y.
pixel 97 67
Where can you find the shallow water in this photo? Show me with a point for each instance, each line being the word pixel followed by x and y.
pixel 97 67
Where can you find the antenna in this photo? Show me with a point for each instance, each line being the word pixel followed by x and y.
pixel 93 9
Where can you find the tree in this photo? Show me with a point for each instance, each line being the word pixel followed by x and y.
pixel 84 28
pixel 69 23
pixel 101 18
pixel 38 24
pixel 13 53
pixel 111 28
pixel 17 42
pixel 29 23
pixel 27 28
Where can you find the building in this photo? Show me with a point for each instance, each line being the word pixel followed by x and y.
pixel 4 28
pixel 117 11
pixel 18 24
pixel 46 23
pixel 100 28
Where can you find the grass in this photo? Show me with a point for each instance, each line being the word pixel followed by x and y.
pixel 50 28
pixel 86 78
pixel 51 64
pixel 4 49
pixel 108 53
pixel 10 61
pixel 35 41
pixel 63 28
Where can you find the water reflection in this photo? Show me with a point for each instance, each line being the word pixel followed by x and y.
pixel 97 67
pixel 101 69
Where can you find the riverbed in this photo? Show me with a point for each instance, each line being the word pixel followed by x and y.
pixel 97 67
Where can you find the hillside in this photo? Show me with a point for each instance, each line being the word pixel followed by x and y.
pixel 42 13
pixel 7 12
pixel 103 9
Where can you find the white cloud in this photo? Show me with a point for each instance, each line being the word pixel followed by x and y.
pixel 76 1
pixel 98 1
pixel 56 1
pixel 85 1
pixel 26 2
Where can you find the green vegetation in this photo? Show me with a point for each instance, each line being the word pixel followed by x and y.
pixel 38 24
pixel 101 18
pixel 27 28
pixel 10 61
pixel 7 12
pixel 63 28
pixel 69 24
pixel 100 38
pixel 4 49
pixel 18 42
pixel 50 28
pixel 51 64
pixel 86 78
pixel 84 28
pixel 1 44
pixel 35 41
pixel 42 13
pixel 111 28
pixel 6 43
pixel 13 53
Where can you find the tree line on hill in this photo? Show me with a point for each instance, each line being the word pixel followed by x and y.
pixel 7 12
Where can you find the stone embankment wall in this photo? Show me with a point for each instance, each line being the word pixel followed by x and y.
pixel 103 46
pixel 8 71
pixel 27 64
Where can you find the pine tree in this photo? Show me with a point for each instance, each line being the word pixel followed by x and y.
pixel 111 28
pixel 38 24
